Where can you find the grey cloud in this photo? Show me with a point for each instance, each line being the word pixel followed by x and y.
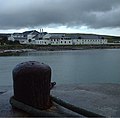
pixel 15 14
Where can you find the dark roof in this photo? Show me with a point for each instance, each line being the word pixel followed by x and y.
pixel 36 36
pixel 55 37
pixel 90 37
pixel 57 34
pixel 34 32
pixel 4 35
pixel 28 32
pixel 74 37
pixel 17 34
pixel 86 36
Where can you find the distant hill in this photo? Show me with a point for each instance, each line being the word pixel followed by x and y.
pixel 75 35
pixel 93 36
pixel 5 34
pixel 114 39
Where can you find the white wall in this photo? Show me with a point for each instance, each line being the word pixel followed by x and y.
pixel 60 42
pixel 11 38
pixel 89 41
pixel 68 42
pixel 30 36
pixel 42 42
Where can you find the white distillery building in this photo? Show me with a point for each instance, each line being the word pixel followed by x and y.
pixel 57 39
pixel 18 37
pixel 89 41
pixel 48 39
pixel 43 38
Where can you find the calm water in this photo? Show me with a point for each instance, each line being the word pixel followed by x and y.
pixel 81 66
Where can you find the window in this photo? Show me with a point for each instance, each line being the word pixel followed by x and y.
pixel 29 40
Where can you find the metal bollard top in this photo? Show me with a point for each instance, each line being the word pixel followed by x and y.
pixel 30 65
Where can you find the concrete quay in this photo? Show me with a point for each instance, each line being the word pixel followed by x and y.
pixel 102 99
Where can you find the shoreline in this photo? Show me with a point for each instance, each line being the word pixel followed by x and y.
pixel 16 50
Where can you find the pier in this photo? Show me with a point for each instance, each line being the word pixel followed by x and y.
pixel 103 99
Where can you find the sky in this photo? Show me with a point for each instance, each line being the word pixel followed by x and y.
pixel 61 16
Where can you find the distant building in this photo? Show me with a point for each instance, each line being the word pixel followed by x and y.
pixel 44 38
pixel 88 39
pixel 18 37
pixel 50 39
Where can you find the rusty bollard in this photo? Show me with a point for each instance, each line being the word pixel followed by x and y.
pixel 31 84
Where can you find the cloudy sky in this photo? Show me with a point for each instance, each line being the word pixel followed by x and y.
pixel 80 16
